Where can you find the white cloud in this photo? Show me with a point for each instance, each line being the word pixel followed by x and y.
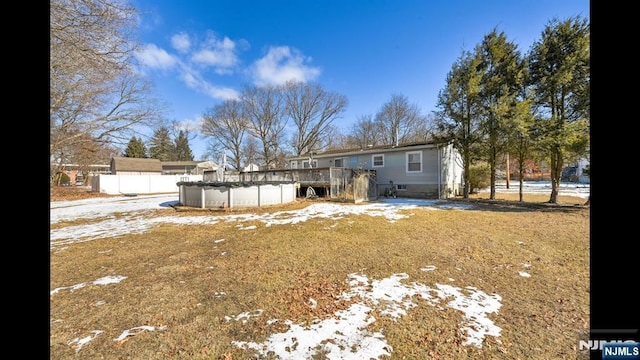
pixel 194 80
pixel 195 60
pixel 191 126
pixel 181 42
pixel 156 58
pixel 220 54
pixel 222 61
pixel 190 65
pixel 224 93
pixel 282 64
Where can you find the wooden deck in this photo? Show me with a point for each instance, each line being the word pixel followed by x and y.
pixel 306 177
pixel 328 181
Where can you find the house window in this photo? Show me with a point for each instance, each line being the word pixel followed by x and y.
pixel 305 164
pixel 401 187
pixel 294 164
pixel 338 162
pixel 414 161
pixel 354 161
pixel 377 160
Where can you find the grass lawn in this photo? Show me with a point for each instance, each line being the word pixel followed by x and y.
pixel 197 291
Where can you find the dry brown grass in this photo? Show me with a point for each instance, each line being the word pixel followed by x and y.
pixel 58 193
pixel 176 275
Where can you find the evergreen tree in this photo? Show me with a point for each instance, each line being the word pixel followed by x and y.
pixel 560 75
pixel 458 119
pixel 182 149
pixel 521 144
pixel 503 75
pixel 136 148
pixel 161 146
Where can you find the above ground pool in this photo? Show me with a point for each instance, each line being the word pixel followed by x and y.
pixel 204 194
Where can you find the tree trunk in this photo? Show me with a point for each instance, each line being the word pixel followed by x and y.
pixel 556 173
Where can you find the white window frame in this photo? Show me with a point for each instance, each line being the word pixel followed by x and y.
pixel 408 156
pixel 340 160
pixel 373 160
pixel 305 164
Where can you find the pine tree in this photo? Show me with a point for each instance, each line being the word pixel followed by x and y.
pixel 136 148
pixel 503 75
pixel 161 146
pixel 460 107
pixel 560 74
pixel 182 149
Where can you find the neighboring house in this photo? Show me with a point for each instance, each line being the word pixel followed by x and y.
pixel 180 167
pixel 206 166
pixel 143 166
pixel 419 170
pixel 583 164
pixel 251 167
pixel 575 172
pixel 135 166
pixel 139 176
pixel 79 174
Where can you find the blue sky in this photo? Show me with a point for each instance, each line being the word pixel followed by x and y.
pixel 199 53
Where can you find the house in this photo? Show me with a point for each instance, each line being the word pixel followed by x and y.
pixel 417 170
pixel 577 171
pixel 80 174
pixel 135 166
pixel 144 166
pixel 180 167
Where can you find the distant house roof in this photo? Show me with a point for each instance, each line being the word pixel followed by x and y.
pixel 209 165
pixel 127 164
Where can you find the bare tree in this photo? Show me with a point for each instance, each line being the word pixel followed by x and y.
pixel 334 140
pixel 430 126
pixel 250 151
pixel 264 108
pixel 227 125
pixel 214 151
pixel 95 93
pixel 399 120
pixel 312 110
pixel 88 153
pixel 366 132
